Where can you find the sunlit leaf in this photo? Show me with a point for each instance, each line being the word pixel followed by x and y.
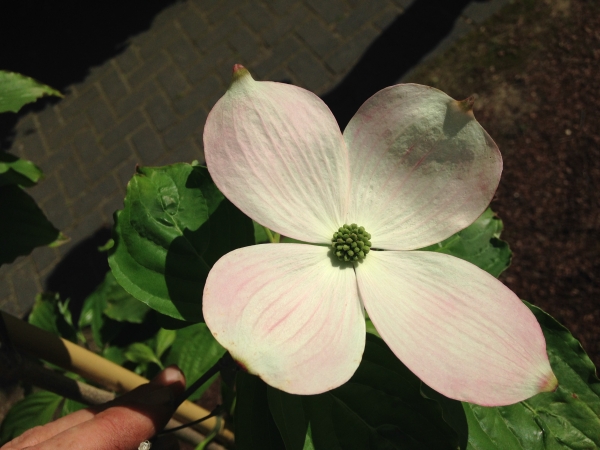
pixel 17 90
pixel 140 354
pixel 195 351
pixel 479 244
pixel 174 225
pixel 568 418
pixel 48 313
pixel 18 171
pixel 164 340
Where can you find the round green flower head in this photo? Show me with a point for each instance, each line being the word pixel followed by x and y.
pixel 351 243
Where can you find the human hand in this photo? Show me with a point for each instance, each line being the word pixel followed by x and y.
pixel 118 425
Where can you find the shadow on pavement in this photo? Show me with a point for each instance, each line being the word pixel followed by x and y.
pixel 415 33
pixel 58 41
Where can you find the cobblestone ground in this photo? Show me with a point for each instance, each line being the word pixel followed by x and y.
pixel 148 104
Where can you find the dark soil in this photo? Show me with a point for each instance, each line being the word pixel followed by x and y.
pixel 536 69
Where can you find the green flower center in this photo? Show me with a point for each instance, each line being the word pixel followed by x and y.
pixel 351 243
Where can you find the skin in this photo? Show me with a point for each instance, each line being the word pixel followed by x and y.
pixel 119 425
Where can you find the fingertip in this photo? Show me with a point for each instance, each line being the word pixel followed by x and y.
pixel 171 376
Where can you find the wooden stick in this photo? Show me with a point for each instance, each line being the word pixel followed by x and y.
pixel 71 357
pixel 52 381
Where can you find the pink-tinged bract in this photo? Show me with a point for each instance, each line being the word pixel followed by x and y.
pixel 420 161
pixel 472 339
pixel 275 316
pixel 266 157
pixel 413 167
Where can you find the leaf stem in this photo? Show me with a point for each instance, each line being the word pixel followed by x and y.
pixel 225 361
pixel 215 412
pixel 273 237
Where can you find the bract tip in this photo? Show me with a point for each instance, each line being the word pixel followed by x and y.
pixel 551 384
pixel 467 104
pixel 239 72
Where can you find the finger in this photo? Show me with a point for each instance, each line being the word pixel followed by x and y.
pixel 39 434
pixel 140 411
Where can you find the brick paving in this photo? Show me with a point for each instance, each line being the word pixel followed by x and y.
pixel 148 104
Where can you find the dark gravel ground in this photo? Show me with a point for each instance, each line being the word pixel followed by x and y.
pixel 536 69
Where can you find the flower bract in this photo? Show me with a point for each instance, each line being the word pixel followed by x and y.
pixel 412 168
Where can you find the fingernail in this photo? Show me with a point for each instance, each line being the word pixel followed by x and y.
pixel 170 375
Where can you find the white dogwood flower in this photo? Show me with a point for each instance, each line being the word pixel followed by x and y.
pixel 412 168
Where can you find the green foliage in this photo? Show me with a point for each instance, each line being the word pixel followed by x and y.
pixel 568 418
pixel 70 406
pixel 260 234
pixel 114 302
pixel 479 244
pixel 23 226
pixel 174 225
pixel 254 424
pixel 142 354
pixel 51 314
pixel 164 340
pixel 381 407
pixel 17 171
pixel 17 90
pixel 35 409
pixel 107 308
pixel 195 351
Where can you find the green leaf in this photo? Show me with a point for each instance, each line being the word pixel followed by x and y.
pixel 260 234
pixel 479 244
pixel 229 227
pixel 370 327
pixel 123 307
pixel 115 354
pixel 35 409
pixel 381 407
pixel 141 354
pixel 254 425
pixel 44 314
pixel 568 418
pixel 18 171
pixel 23 226
pixel 195 351
pixel 165 242
pixel 159 240
pixel 289 416
pixel 49 314
pixel 164 340
pixel 17 90
pixel 106 247
pixel 70 406
pixel 110 301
